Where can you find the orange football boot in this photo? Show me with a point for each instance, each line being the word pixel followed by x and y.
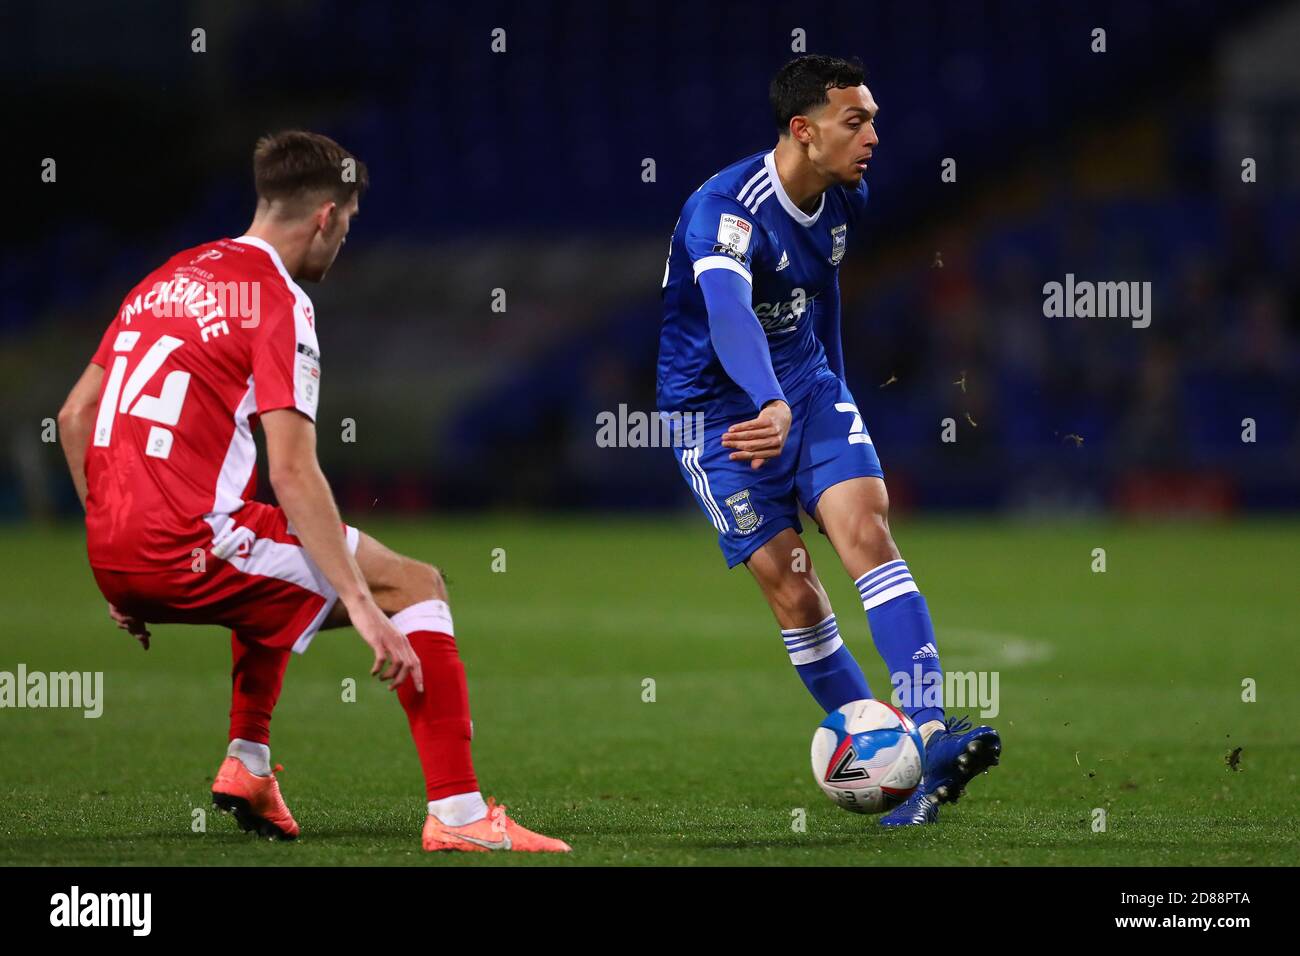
pixel 254 801
pixel 496 831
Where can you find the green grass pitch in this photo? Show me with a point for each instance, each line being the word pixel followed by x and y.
pixel 1119 690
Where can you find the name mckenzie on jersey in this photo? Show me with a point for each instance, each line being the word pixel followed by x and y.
pixel 200 297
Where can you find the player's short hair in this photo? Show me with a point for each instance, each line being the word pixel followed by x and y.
pixel 800 86
pixel 295 164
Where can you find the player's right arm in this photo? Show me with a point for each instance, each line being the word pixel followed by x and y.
pixel 308 503
pixel 742 349
pixel 77 421
pixel 720 240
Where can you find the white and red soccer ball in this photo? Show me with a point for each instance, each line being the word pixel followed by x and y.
pixel 867 756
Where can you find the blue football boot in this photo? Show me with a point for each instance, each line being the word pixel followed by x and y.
pixel 953 756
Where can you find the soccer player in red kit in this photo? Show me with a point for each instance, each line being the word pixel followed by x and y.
pixel 158 433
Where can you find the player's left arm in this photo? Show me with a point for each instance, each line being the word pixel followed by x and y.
pixel 77 421
pixel 827 326
pixel 826 317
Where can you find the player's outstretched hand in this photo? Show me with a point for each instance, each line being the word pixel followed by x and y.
pixel 132 625
pixel 760 438
pixel 395 659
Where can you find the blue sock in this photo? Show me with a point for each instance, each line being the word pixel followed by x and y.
pixel 904 636
pixel 825 665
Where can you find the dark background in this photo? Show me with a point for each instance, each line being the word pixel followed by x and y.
pixel 522 171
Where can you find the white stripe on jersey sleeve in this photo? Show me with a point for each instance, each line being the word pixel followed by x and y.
pixel 759 197
pixel 761 174
pixel 721 262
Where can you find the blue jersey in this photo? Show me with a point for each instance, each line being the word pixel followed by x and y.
pixel 742 220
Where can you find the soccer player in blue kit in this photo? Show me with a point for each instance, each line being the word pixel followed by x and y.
pixel 751 339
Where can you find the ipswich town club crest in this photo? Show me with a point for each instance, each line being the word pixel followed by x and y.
pixel 837 244
pixel 743 511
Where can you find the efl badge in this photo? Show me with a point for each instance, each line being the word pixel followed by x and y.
pixel 306 379
pixel 837 244
pixel 743 511
pixel 734 233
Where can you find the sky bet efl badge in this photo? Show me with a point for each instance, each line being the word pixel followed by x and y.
pixel 743 511
pixel 734 233
pixel 837 244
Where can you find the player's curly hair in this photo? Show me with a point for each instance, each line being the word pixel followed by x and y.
pixel 800 86
pixel 295 164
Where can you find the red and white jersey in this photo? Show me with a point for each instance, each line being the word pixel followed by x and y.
pixel 204 344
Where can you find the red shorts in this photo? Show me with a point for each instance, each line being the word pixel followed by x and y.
pixel 255 578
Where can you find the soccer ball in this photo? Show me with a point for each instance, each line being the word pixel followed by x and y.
pixel 866 756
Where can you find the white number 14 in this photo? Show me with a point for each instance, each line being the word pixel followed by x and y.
pixel 164 408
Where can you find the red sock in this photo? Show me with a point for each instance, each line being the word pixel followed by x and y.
pixel 439 717
pixel 257 676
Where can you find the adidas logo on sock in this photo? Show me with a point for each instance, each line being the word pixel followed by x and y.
pixel 929 650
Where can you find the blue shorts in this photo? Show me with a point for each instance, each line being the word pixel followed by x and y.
pixel 827 444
